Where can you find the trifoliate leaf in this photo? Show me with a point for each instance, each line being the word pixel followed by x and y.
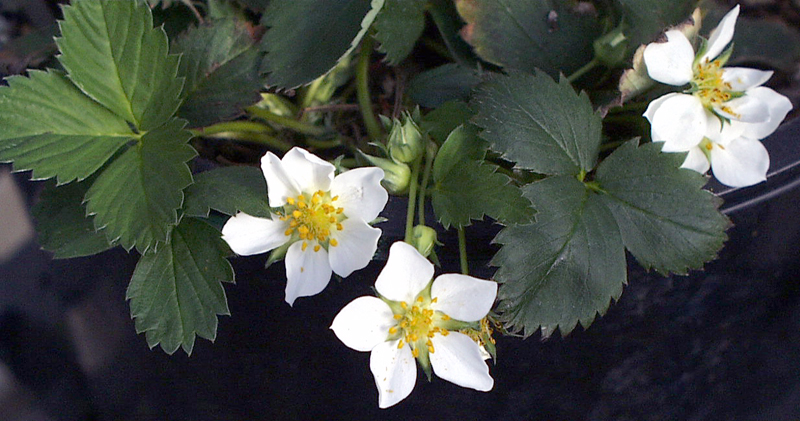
pixel 443 120
pixel 220 64
pixel 137 196
pixel 448 82
pixel 307 38
pixel 550 35
pixel 112 52
pixel 667 221
pixel 398 26
pixel 176 291
pixel 228 190
pixel 62 225
pixel 467 188
pixel 645 19
pixel 566 266
pixel 48 125
pixel 541 125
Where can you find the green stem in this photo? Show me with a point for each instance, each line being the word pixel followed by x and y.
pixel 362 90
pixel 580 72
pixel 254 137
pixel 430 153
pixel 233 126
pixel 462 251
pixel 289 123
pixel 412 198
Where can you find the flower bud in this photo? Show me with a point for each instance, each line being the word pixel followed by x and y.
pixel 611 48
pixel 424 238
pixel 405 141
pixel 396 175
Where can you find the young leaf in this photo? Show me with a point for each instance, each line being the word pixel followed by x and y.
pixel 112 52
pixel 228 190
pixel 306 39
pixel 529 35
pixel 220 64
pixel 443 120
pixel 176 291
pixel 398 26
pixel 62 225
pixel 565 267
pixel 467 188
pixel 667 221
pixel 541 125
pixel 137 196
pixel 48 125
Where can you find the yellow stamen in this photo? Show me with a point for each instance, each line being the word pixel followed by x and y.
pixel 400 344
pixel 305 246
pixel 316 248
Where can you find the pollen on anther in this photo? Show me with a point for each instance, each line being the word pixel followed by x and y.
pixel 335 198
pixel 393 330
pixel 403 304
pixel 305 246
pixel 397 317
pixel 288 232
pixel 415 352
pixel 290 200
pixel 333 242
pixel 316 248
pixel 400 344
pixel 339 226
pixel 297 214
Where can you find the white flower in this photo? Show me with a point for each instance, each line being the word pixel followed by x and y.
pixel 323 220
pixel 417 318
pixel 683 120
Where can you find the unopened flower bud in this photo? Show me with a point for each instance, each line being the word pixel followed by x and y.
pixel 405 141
pixel 423 239
pixel 611 48
pixel 396 175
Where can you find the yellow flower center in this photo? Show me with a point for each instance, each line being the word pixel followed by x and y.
pixel 417 323
pixel 313 218
pixel 710 87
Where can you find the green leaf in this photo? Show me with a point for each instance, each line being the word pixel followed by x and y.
pixel 443 120
pixel 112 52
pixel 448 82
pixel 541 125
pixel 398 26
pixel 137 196
pixel 307 38
pixel 467 188
pixel 220 64
pixel 567 266
pixel 448 22
pixel 51 127
pixel 62 225
pixel 228 190
pixel 176 291
pixel 527 35
pixel 667 221
pixel 645 19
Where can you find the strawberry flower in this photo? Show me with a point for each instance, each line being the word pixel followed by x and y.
pixel 322 221
pixel 433 322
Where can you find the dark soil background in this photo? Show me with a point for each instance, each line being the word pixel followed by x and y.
pixel 719 344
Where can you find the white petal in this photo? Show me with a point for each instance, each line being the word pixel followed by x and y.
pixel 743 162
pixel 405 275
pixel 777 105
pixel 364 323
pixel 680 121
pixel 310 172
pixel 357 242
pixel 721 133
pixel 722 35
pixel 307 272
pixel 747 109
pixel 743 78
pixel 280 185
pixel 696 160
pixel 247 235
pixel 670 62
pixel 457 359
pixel 463 297
pixel 395 372
pixel 655 104
pixel 360 193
